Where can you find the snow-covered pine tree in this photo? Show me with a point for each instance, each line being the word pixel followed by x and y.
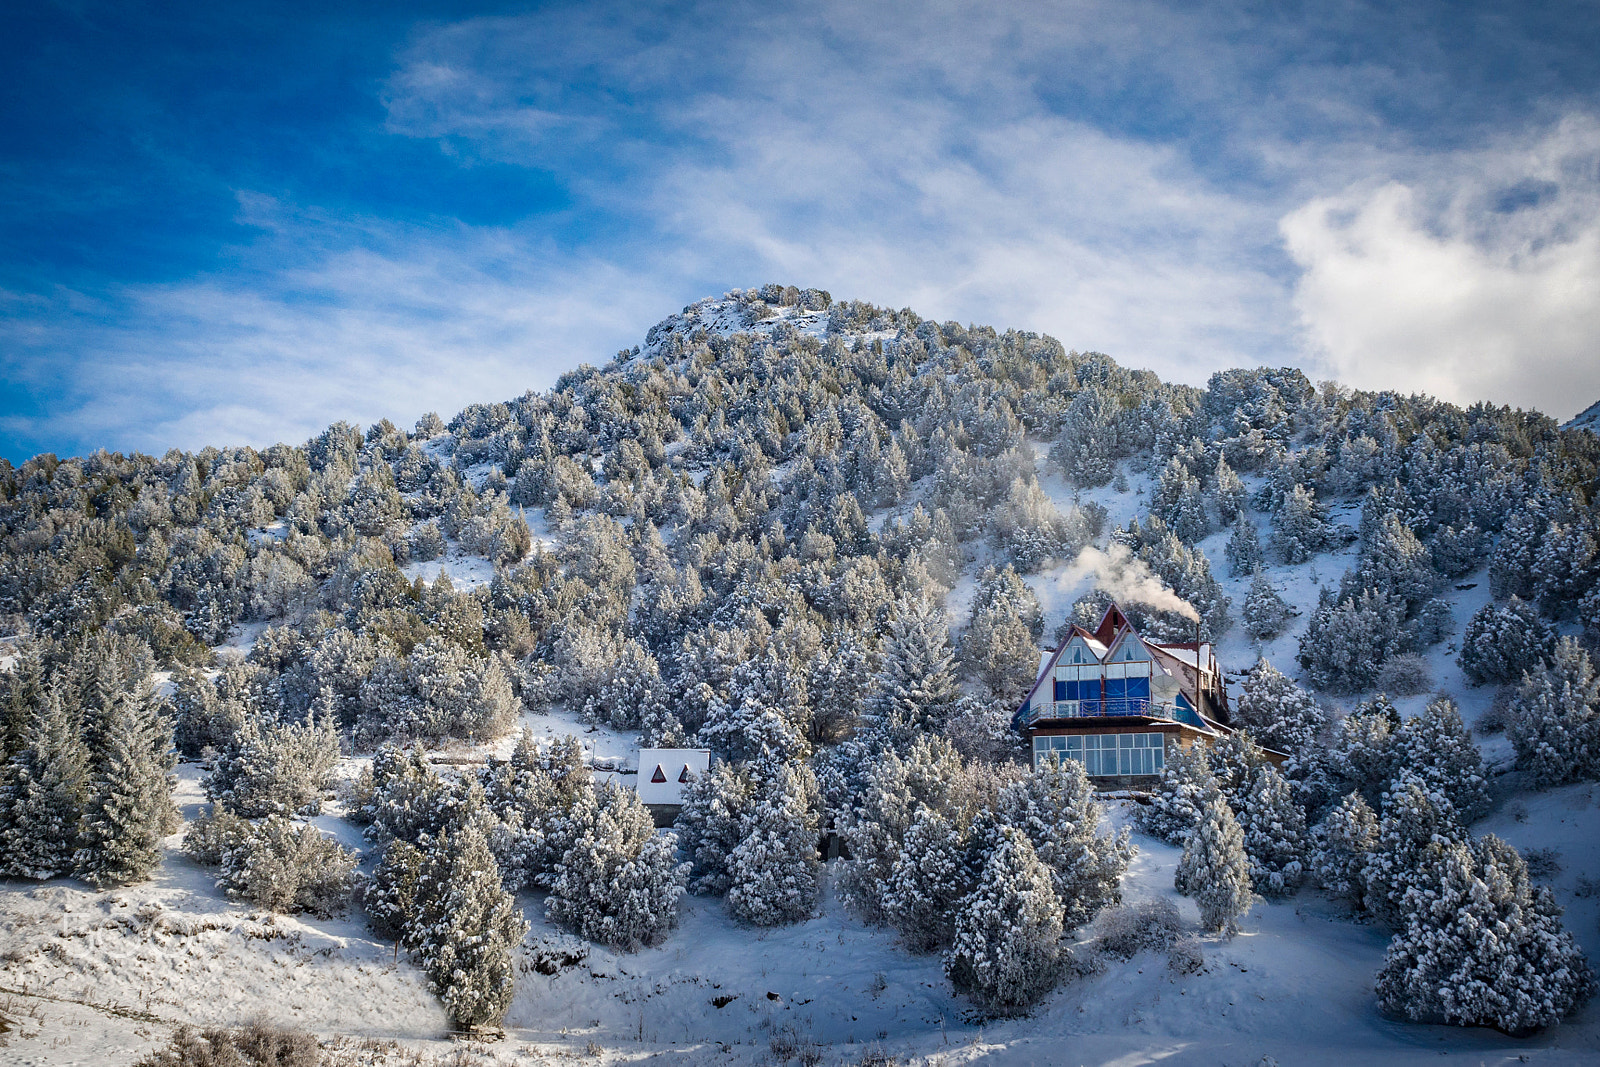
pixel 42 794
pixel 1503 641
pixel 393 897
pixel 1000 647
pixel 1301 529
pixel 1436 746
pixel 1274 833
pixel 1179 502
pixel 1554 718
pixel 1340 846
pixel 468 930
pixel 772 871
pixel 1347 640
pixel 1174 807
pixel 916 687
pixel 1418 821
pixel 1006 954
pixel 619 882
pixel 1265 613
pixel 926 883
pixel 1277 712
pixel 1482 946
pixel 1363 754
pixel 1395 563
pixel 1214 868
pixel 1056 807
pixel 130 805
pixel 1243 551
pixel 1231 495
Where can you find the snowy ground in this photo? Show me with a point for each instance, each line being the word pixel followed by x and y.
pixel 95 978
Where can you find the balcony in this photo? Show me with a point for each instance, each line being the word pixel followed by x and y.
pixel 1100 709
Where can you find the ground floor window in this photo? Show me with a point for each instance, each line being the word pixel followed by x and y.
pixel 1105 754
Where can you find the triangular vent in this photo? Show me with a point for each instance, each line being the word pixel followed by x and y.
pixel 660 775
pixel 683 776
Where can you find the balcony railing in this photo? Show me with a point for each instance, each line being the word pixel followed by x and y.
pixel 1097 708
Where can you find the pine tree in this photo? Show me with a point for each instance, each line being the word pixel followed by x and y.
pixel 1243 551
pixel 916 686
pixel 1483 946
pixel 1554 718
pixel 926 883
pixel 1418 822
pixel 709 824
pixel 1056 807
pixel 619 882
pixel 1340 845
pixel 42 794
pixel 1006 954
pixel 1274 834
pixel 1437 748
pixel 1300 529
pixel 772 872
pixel 1277 712
pixel 1175 803
pixel 1265 613
pixel 468 930
pixel 1215 869
pixel 1231 493
pixel 130 805
pixel 393 899
pixel 1501 642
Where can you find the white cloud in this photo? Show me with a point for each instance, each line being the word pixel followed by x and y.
pixel 1477 279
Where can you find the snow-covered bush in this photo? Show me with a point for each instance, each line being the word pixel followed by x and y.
pixel 278 865
pixel 1482 946
pixel 256 1045
pixel 1553 720
pixel 275 768
pixel 1150 926
pixel 1214 868
pixel 1007 953
pixel 1406 675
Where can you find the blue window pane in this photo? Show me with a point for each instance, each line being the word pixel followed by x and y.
pixel 1138 688
pixel 1061 690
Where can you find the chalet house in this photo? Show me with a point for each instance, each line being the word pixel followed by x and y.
pixel 1118 702
pixel 664 773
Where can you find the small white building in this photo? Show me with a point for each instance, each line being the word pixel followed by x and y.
pixel 663 774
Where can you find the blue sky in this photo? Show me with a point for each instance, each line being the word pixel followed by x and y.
pixel 235 223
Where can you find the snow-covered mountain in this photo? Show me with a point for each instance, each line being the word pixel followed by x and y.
pixel 754 532
pixel 1587 419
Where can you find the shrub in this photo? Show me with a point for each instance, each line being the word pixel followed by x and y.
pixel 1152 926
pixel 1406 675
